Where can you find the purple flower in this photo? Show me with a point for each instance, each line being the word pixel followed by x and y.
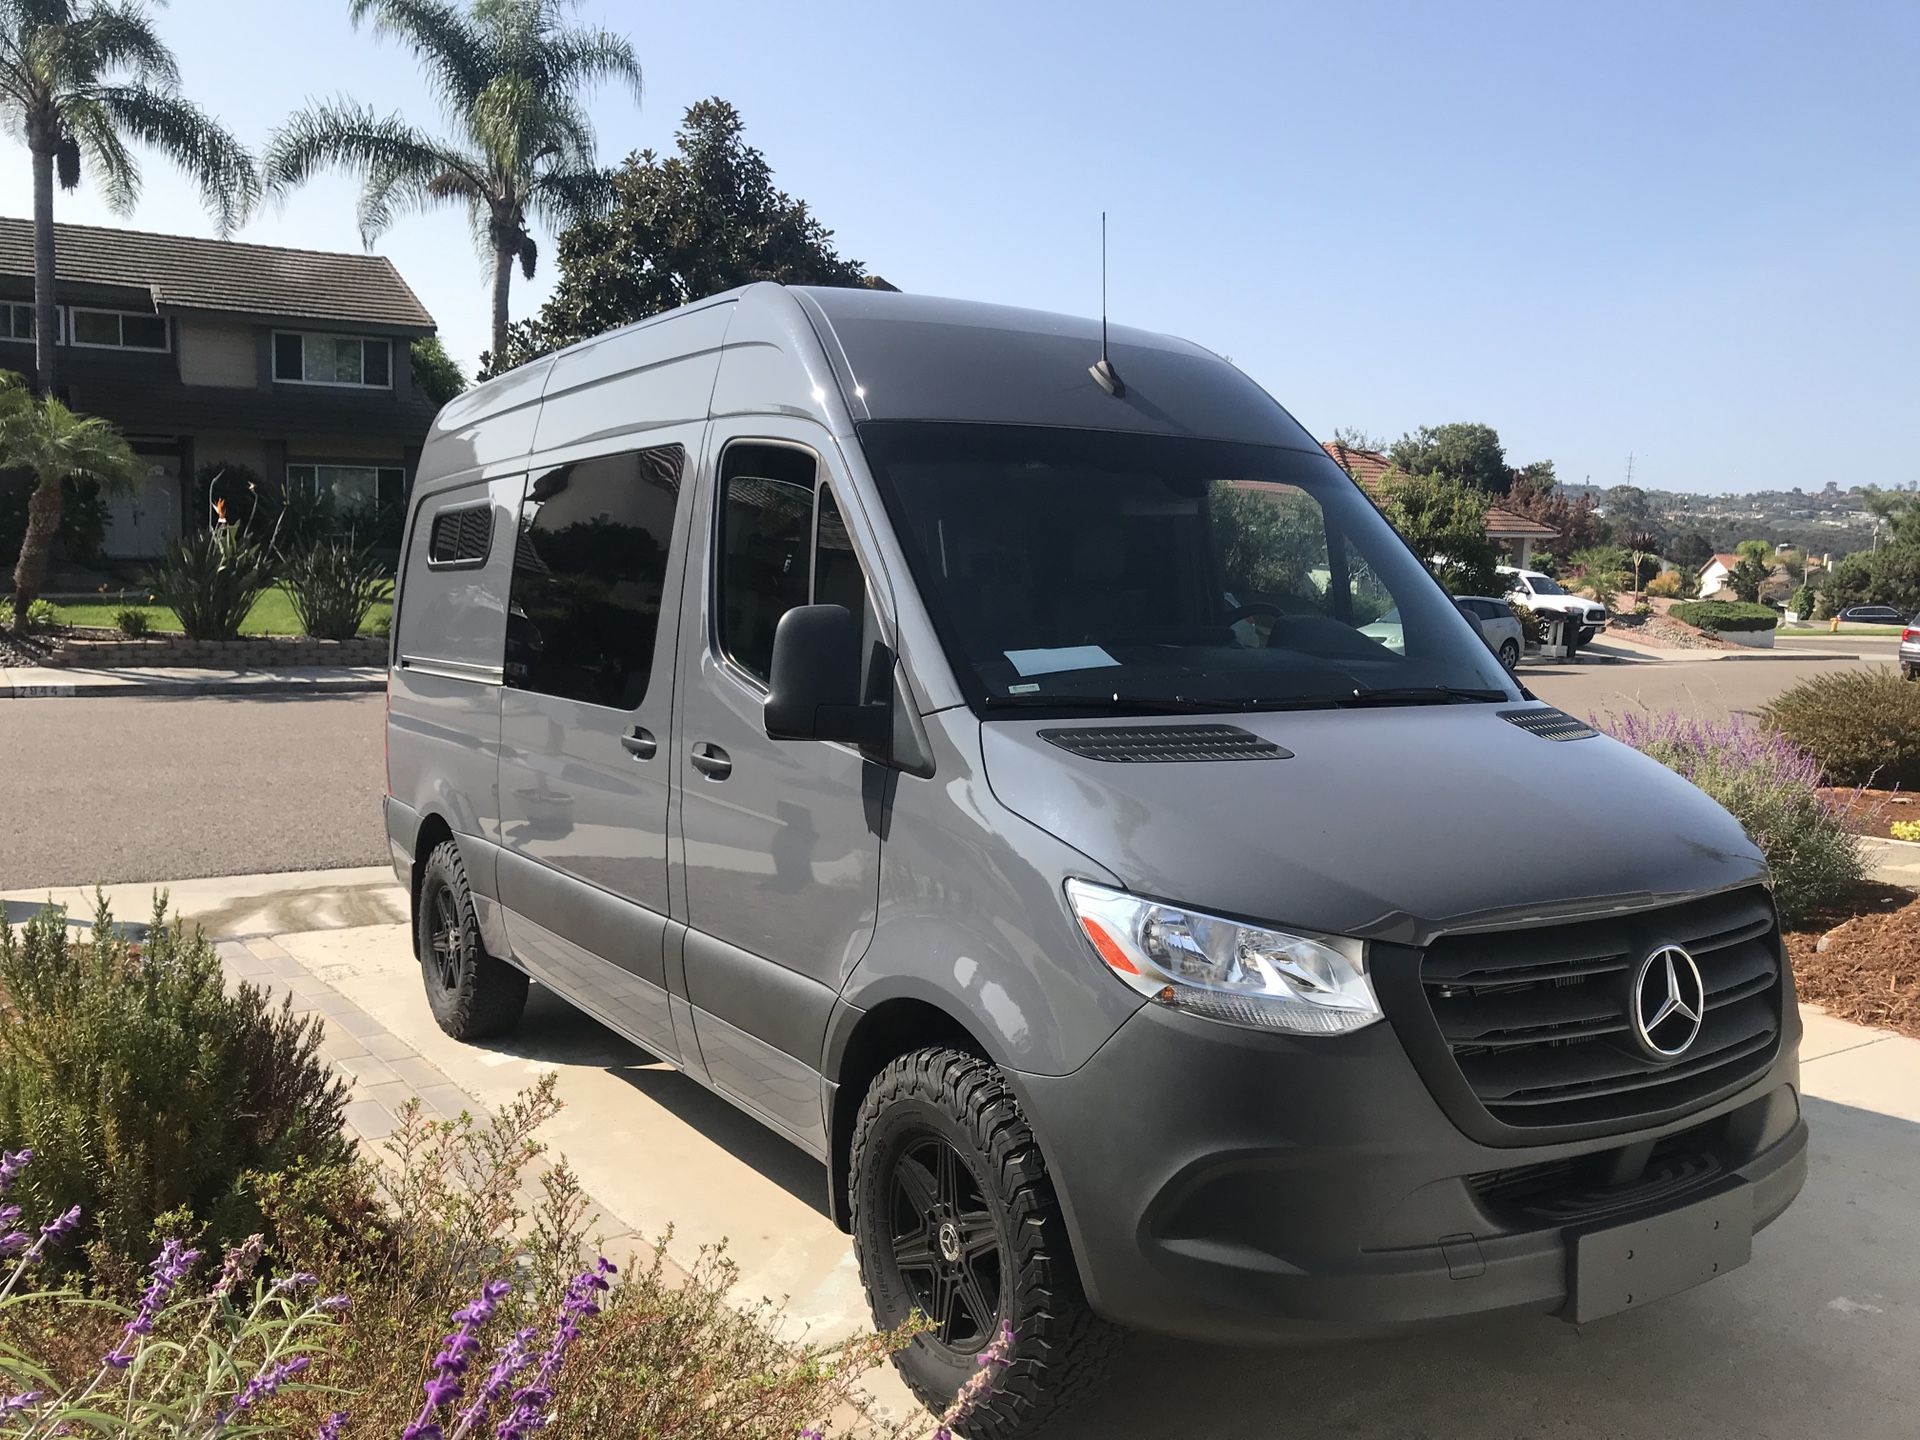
pixel 450 1365
pixel 332 1304
pixel 170 1267
pixel 265 1383
pixel 14 1404
pixel 11 1164
pixel 512 1359
pixel 15 1242
pixel 530 1402
pixel 331 1427
pixel 62 1226
pixel 293 1284
pixel 9 1214
pixel 239 1264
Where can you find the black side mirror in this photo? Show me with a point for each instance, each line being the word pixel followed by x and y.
pixel 815 690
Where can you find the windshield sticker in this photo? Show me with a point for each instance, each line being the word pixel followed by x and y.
pixel 1057 658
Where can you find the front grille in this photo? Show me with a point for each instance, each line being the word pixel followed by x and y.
pixel 1148 744
pixel 1538 1020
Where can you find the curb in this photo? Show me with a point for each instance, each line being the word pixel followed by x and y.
pixel 142 689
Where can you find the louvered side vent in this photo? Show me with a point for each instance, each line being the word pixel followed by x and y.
pixel 1549 724
pixel 461 536
pixel 1151 744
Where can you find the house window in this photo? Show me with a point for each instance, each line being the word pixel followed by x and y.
pixel 116 330
pixel 349 487
pixel 16 321
pixel 352 360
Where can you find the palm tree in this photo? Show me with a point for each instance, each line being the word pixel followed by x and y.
pixel 41 435
pixel 78 80
pixel 509 76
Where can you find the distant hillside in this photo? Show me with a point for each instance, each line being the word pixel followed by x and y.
pixel 1826 521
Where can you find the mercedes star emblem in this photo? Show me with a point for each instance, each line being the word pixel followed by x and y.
pixel 1668 1002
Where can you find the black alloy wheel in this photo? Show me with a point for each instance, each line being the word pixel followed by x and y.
pixel 946 1249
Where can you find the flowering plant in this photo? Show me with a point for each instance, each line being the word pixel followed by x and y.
pixel 1906 829
pixel 1771 786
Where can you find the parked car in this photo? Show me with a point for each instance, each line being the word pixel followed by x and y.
pixel 1388 631
pixel 1910 650
pixel 1872 615
pixel 1500 626
pixel 844 695
pixel 1542 593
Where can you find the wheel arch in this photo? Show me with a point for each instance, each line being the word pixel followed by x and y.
pixel 862 1043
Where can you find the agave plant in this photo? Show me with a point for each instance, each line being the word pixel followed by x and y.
pixel 212 579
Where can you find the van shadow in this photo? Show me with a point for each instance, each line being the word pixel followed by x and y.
pixel 1816 1335
pixel 553 1032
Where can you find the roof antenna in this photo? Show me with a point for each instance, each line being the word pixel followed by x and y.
pixel 1104 375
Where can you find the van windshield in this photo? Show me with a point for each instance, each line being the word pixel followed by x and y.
pixel 1087 570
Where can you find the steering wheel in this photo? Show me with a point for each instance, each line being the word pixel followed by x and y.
pixel 1247 612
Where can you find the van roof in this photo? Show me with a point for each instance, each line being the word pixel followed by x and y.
pixel 899 356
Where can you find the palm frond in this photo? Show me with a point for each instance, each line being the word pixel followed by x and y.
pixel 561 197
pixel 578 58
pixel 90 126
pixel 122 37
pixel 389 193
pixel 447 44
pixel 394 160
pixel 217 163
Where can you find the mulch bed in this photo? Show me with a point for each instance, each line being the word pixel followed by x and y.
pixel 1872 812
pixel 1670 634
pixel 1860 959
pixel 16 653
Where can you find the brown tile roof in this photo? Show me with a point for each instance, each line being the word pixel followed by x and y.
pixel 185 272
pixel 1370 470
pixel 1726 560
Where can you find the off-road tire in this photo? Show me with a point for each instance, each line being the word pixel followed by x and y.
pixel 1062 1351
pixel 484 996
pixel 1509 653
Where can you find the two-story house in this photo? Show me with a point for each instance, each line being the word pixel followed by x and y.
pixel 293 363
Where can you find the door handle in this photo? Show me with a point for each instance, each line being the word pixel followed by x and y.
pixel 711 761
pixel 639 743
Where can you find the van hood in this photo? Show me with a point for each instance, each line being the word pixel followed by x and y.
pixel 1389 824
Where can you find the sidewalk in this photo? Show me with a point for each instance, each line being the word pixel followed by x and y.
pixel 1893 862
pixel 31 682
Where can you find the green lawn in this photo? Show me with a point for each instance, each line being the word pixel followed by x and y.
pixel 272 614
pixel 1819 631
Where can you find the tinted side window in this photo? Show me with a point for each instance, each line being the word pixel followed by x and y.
pixel 766 533
pixel 837 577
pixel 589 567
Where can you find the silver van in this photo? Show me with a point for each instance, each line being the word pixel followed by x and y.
pixel 950 735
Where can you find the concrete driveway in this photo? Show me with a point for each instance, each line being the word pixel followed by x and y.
pixel 1817 1336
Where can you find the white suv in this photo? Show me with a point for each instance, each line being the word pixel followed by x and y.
pixel 1543 595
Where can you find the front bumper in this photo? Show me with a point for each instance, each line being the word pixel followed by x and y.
pixel 1229 1185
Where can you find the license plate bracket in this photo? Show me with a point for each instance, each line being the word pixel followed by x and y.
pixel 1624 1266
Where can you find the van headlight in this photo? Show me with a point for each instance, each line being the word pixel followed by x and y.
pixel 1225 970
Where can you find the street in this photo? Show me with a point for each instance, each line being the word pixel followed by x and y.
pixel 104 790
pixel 109 790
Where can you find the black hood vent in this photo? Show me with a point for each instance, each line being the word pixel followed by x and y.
pixel 1549 724
pixel 1154 744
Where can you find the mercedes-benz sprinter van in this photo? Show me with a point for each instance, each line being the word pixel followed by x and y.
pixel 958 746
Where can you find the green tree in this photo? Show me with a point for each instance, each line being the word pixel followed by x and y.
pixel 1749 574
pixel 1603 570
pixel 434 370
pixel 704 219
pixel 1690 552
pixel 1899 509
pixel 1887 576
pixel 77 82
pixel 1757 550
pixel 1269 544
pixel 1465 452
pixel 1445 524
pixel 1354 438
pixel 510 78
pixel 40 435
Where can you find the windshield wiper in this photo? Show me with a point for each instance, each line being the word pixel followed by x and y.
pixel 1419 695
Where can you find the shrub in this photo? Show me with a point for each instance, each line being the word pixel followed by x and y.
pixel 1667 585
pixel 1530 624
pixel 133 622
pixel 43 615
pixel 83 516
pixel 212 579
pixel 1717 615
pixel 1772 787
pixel 147 1091
pixel 1802 601
pixel 1862 725
pixel 333 584
pixel 1906 829
pixel 383 624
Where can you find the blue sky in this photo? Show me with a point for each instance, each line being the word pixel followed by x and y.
pixel 1686 231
